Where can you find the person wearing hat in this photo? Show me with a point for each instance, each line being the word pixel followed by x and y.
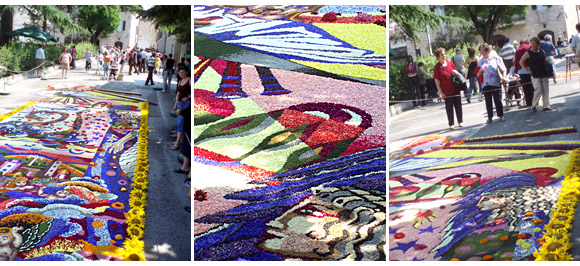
pixel 508 51
pixel 516 45
pixel 459 62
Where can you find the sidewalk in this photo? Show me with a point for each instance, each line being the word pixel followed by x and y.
pixel 168 226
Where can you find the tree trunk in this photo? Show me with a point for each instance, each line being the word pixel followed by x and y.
pixel 6 26
pixel 45 24
pixel 95 37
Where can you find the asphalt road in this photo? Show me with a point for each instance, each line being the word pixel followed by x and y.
pixel 432 120
pixel 168 226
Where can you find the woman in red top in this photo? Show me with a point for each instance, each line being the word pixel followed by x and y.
pixel 452 95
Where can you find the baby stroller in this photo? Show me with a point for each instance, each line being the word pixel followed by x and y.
pixel 432 92
pixel 113 70
pixel 513 90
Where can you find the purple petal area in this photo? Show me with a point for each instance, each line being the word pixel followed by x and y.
pixel 230 250
pixel 199 159
pixel 238 124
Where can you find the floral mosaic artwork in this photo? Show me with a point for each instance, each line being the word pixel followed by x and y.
pixel 450 201
pixel 297 159
pixel 73 177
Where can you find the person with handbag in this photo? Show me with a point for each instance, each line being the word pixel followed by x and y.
pixel 413 79
pixel 550 51
pixel 442 73
pixel 493 70
pixel 539 67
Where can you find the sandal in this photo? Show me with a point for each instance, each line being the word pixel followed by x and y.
pixel 179 171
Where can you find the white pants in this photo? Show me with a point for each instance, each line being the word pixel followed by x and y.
pixel 542 89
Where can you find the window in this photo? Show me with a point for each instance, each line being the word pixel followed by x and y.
pixel 542 13
pixel 121 26
pixel 440 10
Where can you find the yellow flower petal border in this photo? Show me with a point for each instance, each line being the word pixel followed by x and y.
pixel 134 245
pixel 9 114
pixel 557 248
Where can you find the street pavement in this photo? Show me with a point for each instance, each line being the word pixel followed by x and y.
pixel 564 99
pixel 167 233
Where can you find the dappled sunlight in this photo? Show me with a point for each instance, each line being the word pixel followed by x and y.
pixel 157 250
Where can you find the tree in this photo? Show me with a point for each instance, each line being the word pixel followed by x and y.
pixel 415 19
pixel 487 19
pixel 172 19
pixel 99 20
pixel 6 23
pixel 56 15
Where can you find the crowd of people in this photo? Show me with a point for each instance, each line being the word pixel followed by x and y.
pixel 112 61
pixel 527 64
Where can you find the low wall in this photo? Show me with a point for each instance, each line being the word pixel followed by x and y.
pixel 30 74
pixel 399 108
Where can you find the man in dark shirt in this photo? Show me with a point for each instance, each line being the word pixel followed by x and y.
pixel 168 73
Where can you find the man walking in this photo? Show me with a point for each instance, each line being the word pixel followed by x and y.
pixel 168 73
pixel 150 68
pixel 143 59
pixel 40 58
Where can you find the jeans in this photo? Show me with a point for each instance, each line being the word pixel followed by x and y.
pixel 472 85
pixel 106 69
pixel 180 119
pixel 167 75
pixel 553 62
pixel 415 91
pixel 493 96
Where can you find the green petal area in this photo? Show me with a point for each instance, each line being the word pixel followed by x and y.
pixel 223 51
pixel 363 36
pixel 201 117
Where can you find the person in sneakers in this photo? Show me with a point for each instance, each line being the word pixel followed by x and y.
pixel 442 74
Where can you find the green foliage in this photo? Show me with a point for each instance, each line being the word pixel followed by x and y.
pixel 99 20
pixel 20 56
pixel 398 85
pixel 486 19
pixel 414 19
pixel 174 19
pixel 453 39
pixel 56 15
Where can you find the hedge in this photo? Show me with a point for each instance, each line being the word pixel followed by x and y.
pixel 20 56
pixel 398 84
